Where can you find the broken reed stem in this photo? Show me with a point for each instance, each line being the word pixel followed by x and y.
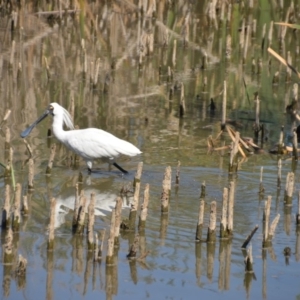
pixel 30 174
pixel 81 213
pixel 144 208
pixel 298 214
pixel 118 209
pixel 289 188
pixel 177 173
pixel 203 190
pixel 5 223
pixel 249 237
pixel 8 247
pixel 182 102
pixel 266 220
pixel 249 261
pixel 211 232
pixel 273 227
pixel 47 68
pixel 174 53
pixel 295 145
pixel 8 170
pixel 223 223
pixel 223 121
pixel 16 219
pixel 50 244
pixel 96 248
pixel 166 190
pixel 138 174
pixel 24 208
pixel 200 221
pixel 233 165
pixel 51 159
pixel 134 206
pixel 110 242
pixel 230 208
pixel 76 208
pixel 261 186
pixel 134 247
pixel 279 173
pixel 91 221
pixel 280 143
pixel 7 138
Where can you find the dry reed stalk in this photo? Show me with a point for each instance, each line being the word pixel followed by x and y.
pixel 263 36
pixel 91 221
pixel 270 34
pixel 7 139
pixel 5 223
pixel 261 185
pixel 223 223
pixel 288 69
pixel 51 159
pixel 200 220
pixel 97 67
pixel 76 207
pixel 81 213
pixel 138 174
pixel 203 190
pixel 47 68
pixel 166 190
pixel 266 220
pixel 249 237
pixel 8 168
pixel 30 185
pixel 16 218
pixel 50 244
pixel 204 62
pixel 134 207
pixel 177 173
pixel 6 116
pixel 96 248
pixel 295 92
pixel 174 54
pixel 280 142
pixel 111 238
pixel 144 208
pixel 228 50
pixel 134 247
pixel 249 261
pixel 223 122
pixel 182 102
pixel 298 214
pixel 273 227
pixel 295 145
pixel 28 148
pixel 24 208
pixel 233 165
pixel 230 208
pixel 289 188
pixel 211 232
pixel 8 247
pixel 248 31
pixel 118 220
pixel 242 35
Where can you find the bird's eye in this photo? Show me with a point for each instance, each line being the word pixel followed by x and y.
pixel 51 107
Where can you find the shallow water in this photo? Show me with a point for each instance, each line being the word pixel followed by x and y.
pixel 133 102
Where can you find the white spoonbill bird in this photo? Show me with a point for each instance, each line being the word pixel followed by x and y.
pixel 89 143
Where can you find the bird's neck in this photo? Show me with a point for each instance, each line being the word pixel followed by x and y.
pixel 57 128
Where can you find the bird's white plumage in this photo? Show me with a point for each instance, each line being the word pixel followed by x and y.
pixel 90 143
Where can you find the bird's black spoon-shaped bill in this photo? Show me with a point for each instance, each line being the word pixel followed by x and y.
pixel 26 132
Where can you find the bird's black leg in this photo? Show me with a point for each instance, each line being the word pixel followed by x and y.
pixel 120 168
pixel 90 171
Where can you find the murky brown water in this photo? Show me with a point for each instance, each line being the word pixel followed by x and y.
pixel 131 100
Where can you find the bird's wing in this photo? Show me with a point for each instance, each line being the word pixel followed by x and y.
pixel 95 143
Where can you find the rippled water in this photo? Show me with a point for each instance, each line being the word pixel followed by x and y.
pixel 133 102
